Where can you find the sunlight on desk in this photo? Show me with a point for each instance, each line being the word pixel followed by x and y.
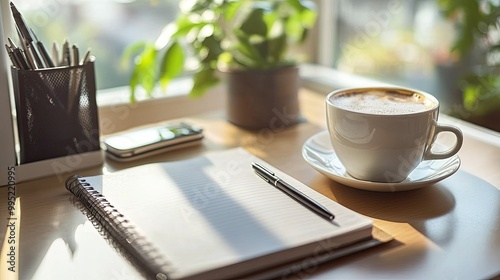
pixel 67 263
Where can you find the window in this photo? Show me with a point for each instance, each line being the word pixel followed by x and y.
pixel 105 26
pixel 405 43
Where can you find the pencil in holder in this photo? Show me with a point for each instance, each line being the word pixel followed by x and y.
pixel 56 112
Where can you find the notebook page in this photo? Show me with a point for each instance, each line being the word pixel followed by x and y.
pixel 214 211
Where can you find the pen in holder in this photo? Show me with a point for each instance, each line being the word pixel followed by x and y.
pixel 56 111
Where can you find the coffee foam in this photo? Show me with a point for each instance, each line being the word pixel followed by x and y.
pixel 382 102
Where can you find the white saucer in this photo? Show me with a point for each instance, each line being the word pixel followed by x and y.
pixel 318 152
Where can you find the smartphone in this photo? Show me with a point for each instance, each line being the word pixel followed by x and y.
pixel 143 142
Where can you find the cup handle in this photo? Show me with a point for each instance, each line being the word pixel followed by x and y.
pixel 429 155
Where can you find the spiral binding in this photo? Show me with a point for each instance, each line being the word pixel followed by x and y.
pixel 119 227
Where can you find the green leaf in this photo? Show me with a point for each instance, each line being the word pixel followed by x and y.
pixel 294 28
pixel 144 72
pixel 130 52
pixel 203 80
pixel 472 20
pixel 232 9
pixel 470 96
pixel 276 48
pixel 240 62
pixel 185 25
pixel 482 94
pixel 194 6
pixel 246 48
pixel 254 23
pixel 308 18
pixel 296 4
pixel 274 25
pixel 213 47
pixel 298 25
pixel 133 82
pixel 172 64
pixel 260 45
pixel 449 6
pixel 469 27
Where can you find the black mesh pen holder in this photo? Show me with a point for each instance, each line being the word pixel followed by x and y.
pixel 56 111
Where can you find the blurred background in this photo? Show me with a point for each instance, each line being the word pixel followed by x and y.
pixel 403 42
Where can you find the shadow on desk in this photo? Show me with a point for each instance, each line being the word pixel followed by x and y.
pixel 414 205
pixel 459 216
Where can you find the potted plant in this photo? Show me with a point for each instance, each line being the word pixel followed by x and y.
pixel 478 25
pixel 245 42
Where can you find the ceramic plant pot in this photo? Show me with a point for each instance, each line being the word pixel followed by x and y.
pixel 263 98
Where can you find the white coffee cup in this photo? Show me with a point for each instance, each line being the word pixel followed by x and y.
pixel 382 134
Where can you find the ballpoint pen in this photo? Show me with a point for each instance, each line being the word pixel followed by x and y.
pixel 21 24
pixel 299 196
pixel 25 37
pixel 13 59
pixel 74 80
pixel 29 57
pixel 34 53
pixel 66 56
pixel 55 54
pixel 85 57
pixel 75 55
pixel 15 55
pixel 19 56
pixel 43 52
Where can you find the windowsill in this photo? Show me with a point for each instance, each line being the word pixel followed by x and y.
pixel 121 95
pixel 117 113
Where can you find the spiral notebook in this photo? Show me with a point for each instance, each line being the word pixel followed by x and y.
pixel 212 217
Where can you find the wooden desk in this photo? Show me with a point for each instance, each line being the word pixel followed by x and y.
pixel 447 231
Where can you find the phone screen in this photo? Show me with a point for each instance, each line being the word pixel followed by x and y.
pixel 148 136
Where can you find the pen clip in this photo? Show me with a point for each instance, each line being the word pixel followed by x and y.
pixel 263 168
pixel 262 176
pixel 266 174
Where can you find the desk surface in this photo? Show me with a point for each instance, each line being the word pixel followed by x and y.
pixel 448 230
